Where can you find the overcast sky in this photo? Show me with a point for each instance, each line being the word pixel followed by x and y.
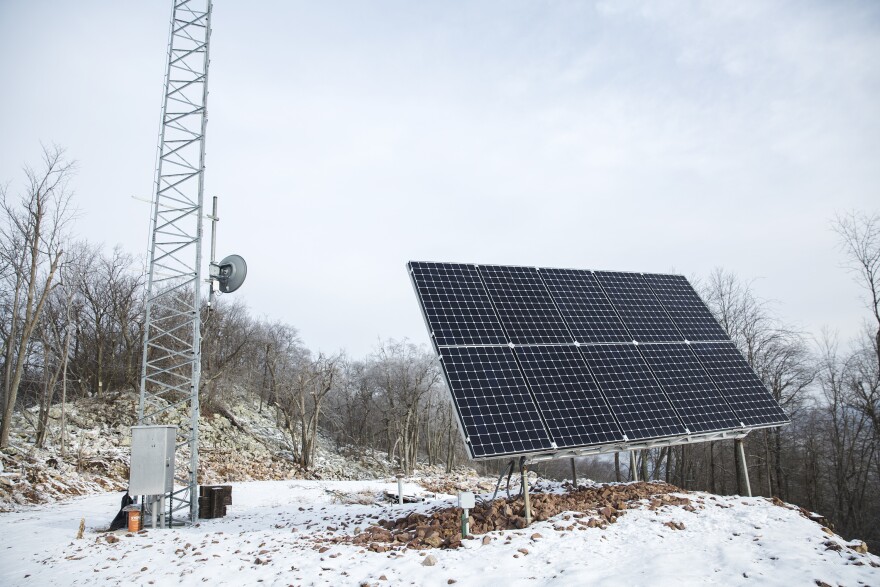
pixel 346 138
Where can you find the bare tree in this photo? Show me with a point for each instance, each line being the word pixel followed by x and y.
pixel 860 240
pixel 32 236
pixel 229 334
pixel 781 358
pixel 300 399
pixel 56 328
pixel 850 446
pixel 404 375
pixel 353 409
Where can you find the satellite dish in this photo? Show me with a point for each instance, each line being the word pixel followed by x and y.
pixel 233 270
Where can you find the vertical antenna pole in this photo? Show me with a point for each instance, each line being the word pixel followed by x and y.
pixel 212 269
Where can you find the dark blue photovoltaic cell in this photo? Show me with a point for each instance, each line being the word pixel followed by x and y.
pixel 497 412
pixel 568 397
pixel 544 360
pixel 584 306
pixel 641 312
pixel 524 306
pixel 739 385
pixel 635 397
pixel 684 306
pixel 456 305
pixel 691 392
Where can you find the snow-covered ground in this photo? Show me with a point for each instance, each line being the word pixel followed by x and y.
pixel 275 530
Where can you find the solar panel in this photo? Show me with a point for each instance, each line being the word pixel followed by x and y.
pixel 739 385
pixel 638 307
pixel 685 307
pixel 496 410
pixel 455 304
pixel 584 306
pixel 635 397
pixel 541 361
pixel 697 401
pixel 524 306
pixel 567 395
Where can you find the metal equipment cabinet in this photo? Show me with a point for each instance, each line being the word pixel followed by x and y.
pixel 152 460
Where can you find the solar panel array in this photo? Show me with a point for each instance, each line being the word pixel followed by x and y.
pixel 540 360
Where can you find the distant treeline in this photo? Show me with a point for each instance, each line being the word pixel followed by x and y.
pixel 71 322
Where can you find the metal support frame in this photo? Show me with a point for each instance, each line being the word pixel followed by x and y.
pixel 633 445
pixel 574 473
pixel 633 466
pixel 527 506
pixel 743 480
pixel 171 365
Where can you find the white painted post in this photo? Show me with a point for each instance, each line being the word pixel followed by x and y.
pixel 466 501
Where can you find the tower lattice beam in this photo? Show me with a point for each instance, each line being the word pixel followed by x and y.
pixel 172 355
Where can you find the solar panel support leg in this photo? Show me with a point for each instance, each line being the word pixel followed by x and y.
pixel 744 470
pixel 574 474
pixel 634 471
pixel 524 471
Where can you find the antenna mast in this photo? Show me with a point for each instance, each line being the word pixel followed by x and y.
pixel 171 364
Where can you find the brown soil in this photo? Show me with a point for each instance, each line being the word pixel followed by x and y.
pixel 592 507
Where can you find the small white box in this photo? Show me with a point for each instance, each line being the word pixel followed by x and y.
pixel 152 460
pixel 466 500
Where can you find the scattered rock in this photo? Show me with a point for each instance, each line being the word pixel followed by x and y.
pixel 429 561
pixel 442 527
pixel 433 540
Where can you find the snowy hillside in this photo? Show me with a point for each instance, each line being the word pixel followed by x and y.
pixel 347 533
pixel 241 444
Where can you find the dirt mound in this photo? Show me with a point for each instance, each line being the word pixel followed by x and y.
pixel 592 506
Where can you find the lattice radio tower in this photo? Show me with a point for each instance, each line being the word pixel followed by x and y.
pixel 172 351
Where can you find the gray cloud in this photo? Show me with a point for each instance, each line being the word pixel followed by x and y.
pixel 347 138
